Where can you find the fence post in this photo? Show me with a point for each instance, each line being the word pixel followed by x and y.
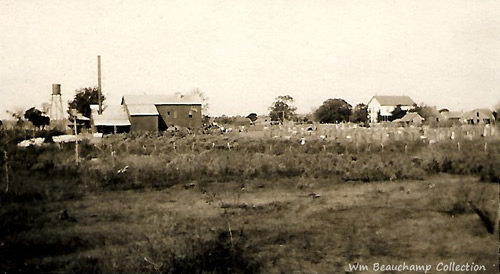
pixel 382 145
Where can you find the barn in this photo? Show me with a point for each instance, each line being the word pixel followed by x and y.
pixel 158 112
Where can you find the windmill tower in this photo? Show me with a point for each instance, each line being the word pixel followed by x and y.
pixel 56 112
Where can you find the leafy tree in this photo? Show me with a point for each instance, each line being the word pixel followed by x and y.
pixel 252 116
pixel 359 114
pixel 282 109
pixel 18 115
pixel 204 99
pixel 397 113
pixel 426 112
pixel 333 111
pixel 36 117
pixel 85 97
pixel 496 112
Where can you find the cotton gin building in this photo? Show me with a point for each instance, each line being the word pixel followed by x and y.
pixel 159 112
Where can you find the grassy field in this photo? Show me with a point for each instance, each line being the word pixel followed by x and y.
pixel 292 225
pixel 225 204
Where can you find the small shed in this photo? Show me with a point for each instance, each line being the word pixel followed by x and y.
pixel 113 119
pixel 411 118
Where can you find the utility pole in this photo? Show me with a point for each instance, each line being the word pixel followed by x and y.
pixel 74 113
pixel 99 83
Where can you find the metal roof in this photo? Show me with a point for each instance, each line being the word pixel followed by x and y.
pixel 111 116
pixel 385 100
pixel 162 99
pixel 410 116
pixel 136 110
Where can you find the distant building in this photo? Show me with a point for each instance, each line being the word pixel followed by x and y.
pixel 478 117
pixel 158 112
pixel 383 106
pixel 410 119
pixel 263 120
pixel 242 121
pixel 454 117
pixel 113 119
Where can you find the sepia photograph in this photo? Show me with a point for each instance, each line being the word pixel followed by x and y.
pixel 249 136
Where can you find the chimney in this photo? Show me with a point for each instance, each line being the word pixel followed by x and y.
pixel 99 83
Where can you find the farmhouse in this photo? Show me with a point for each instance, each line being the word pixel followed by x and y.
pixel 478 117
pixel 382 106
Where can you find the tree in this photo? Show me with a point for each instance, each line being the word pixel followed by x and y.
pixel 496 112
pixel 397 113
pixel 18 115
pixel 252 116
pixel 204 99
pixel 359 114
pixel 36 117
pixel 425 111
pixel 282 109
pixel 85 97
pixel 333 111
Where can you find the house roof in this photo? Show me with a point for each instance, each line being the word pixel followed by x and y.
pixel 483 114
pixel 386 100
pixel 409 117
pixel 136 110
pixel 111 116
pixel 162 99
pixel 452 114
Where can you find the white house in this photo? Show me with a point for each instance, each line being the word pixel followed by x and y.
pixel 384 105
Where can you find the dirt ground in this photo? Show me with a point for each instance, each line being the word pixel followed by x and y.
pixel 290 226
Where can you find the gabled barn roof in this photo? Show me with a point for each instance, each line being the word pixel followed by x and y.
pixel 111 116
pixel 162 99
pixel 386 100
pixel 483 114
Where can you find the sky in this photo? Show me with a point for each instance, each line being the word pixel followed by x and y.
pixel 242 54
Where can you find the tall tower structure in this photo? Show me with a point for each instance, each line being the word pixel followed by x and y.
pixel 56 112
